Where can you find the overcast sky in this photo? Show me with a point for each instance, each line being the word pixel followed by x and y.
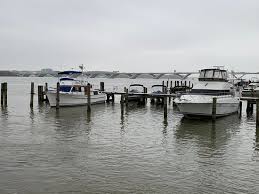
pixel 129 35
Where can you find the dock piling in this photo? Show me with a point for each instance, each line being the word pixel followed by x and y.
pixel 240 109
pixel 88 97
pixel 257 112
pixel 165 107
pixel 127 97
pixel 4 94
pixel 40 94
pixel 57 96
pixel 32 94
pixel 214 109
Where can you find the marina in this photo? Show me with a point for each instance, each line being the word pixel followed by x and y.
pixel 139 150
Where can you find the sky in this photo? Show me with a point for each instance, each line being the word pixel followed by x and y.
pixel 129 35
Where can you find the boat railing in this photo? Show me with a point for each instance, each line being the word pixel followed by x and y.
pixel 218 94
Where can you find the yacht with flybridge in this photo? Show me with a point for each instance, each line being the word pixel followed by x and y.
pixel 213 83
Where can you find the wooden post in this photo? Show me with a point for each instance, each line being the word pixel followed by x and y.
pixel 185 83
pixel 214 108
pixel 165 107
pixel 257 112
pixel 113 98
pixel 57 95
pixel 46 88
pixel 163 83
pixel 167 83
pixel 181 83
pixel 102 86
pixel 40 94
pixel 240 109
pixel 88 97
pixel 122 104
pixel 127 97
pixel 171 84
pixel 4 94
pixel 175 83
pixel 32 94
pixel 189 84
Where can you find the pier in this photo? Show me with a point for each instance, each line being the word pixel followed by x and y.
pixel 163 99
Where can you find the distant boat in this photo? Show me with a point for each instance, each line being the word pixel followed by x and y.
pixel 73 91
pixel 213 83
pixel 251 90
pixel 133 90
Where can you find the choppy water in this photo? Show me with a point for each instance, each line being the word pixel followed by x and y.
pixel 70 151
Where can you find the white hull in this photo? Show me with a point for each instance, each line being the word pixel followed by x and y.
pixel 69 99
pixel 202 105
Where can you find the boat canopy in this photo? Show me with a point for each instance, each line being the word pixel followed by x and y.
pixel 66 79
pixel 69 72
pixel 136 85
pixel 213 75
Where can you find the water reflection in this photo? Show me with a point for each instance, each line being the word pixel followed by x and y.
pixel 207 133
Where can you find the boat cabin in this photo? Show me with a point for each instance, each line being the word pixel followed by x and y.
pixel 214 74
pixel 158 89
pixel 136 88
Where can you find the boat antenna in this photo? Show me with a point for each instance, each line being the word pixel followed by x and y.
pixel 81 67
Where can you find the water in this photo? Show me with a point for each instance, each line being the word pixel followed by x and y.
pixel 70 151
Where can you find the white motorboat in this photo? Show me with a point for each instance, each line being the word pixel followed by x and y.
pixel 213 83
pixel 251 90
pixel 73 91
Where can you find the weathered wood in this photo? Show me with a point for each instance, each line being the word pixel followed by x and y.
pixel 240 109
pixel 46 88
pixel 40 94
pixel 113 98
pixel 102 86
pixel 257 113
pixel 57 95
pixel 88 97
pixel 165 107
pixel 32 94
pixel 127 97
pixel 214 108
pixel 4 94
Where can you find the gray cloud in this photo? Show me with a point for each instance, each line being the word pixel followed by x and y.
pixel 129 35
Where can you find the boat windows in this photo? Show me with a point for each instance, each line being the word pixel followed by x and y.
pixel 76 89
pixel 136 89
pixel 213 74
pixel 64 88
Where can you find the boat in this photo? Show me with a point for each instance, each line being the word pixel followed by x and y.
pixel 158 89
pixel 252 90
pixel 213 83
pixel 133 90
pixel 73 91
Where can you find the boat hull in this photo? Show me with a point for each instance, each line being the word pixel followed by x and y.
pixel 224 107
pixel 68 99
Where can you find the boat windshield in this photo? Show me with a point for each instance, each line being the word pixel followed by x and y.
pixel 136 89
pixel 64 88
pixel 213 74
pixel 157 89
